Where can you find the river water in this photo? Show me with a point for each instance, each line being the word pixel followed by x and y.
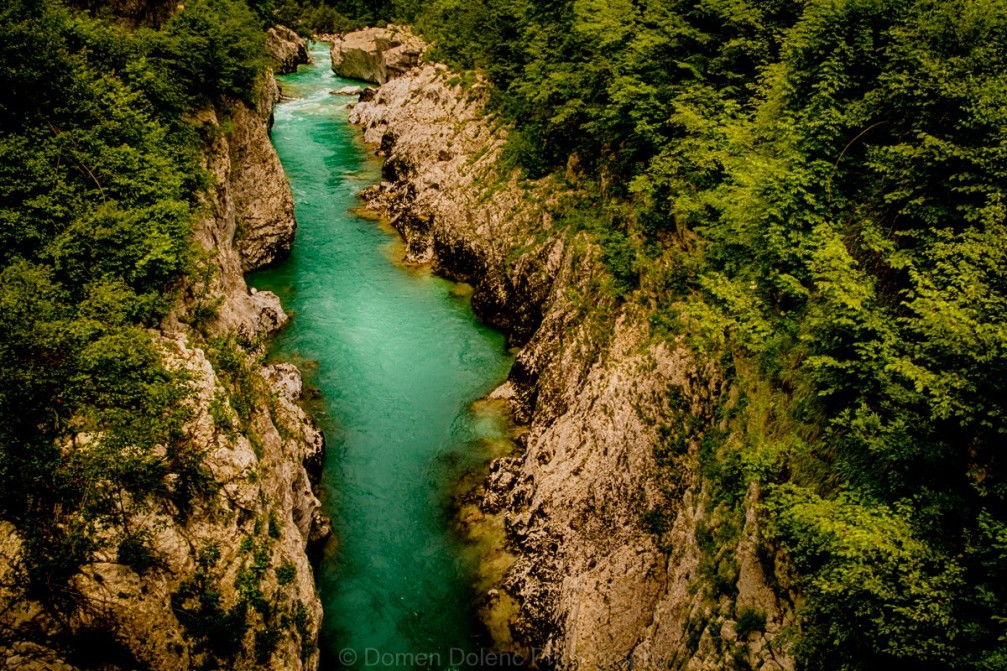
pixel 398 358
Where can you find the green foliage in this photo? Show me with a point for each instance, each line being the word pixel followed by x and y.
pixel 337 16
pixel 655 521
pixel 313 19
pixel 218 632
pixel 266 640
pixel 100 180
pixel 812 193
pixel 876 592
pixel 749 620
pixel 302 624
pixel 215 48
pixel 274 530
pixel 220 412
pixel 136 552
pixel 285 573
pixel 717 539
pixel 249 578
pixel 234 369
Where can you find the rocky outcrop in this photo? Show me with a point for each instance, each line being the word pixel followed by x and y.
pixel 229 547
pixel 608 522
pixel 376 54
pixel 267 461
pixel 249 224
pixel 228 583
pixel 286 48
pixel 263 204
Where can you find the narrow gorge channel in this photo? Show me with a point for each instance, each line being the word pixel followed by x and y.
pixel 398 358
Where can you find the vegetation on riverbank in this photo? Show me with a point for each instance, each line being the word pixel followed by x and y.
pixel 102 179
pixel 811 193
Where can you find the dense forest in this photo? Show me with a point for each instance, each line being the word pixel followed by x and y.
pixel 810 192
pixel 100 185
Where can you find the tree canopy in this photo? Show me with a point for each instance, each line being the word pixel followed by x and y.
pixel 840 168
pixel 100 183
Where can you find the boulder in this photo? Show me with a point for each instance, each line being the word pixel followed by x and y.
pixel 376 54
pixel 347 91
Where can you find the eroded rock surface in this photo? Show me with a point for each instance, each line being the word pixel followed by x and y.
pixel 263 204
pixel 606 567
pixel 286 48
pixel 376 55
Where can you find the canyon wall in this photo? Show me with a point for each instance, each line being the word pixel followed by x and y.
pixel 286 48
pixel 228 584
pixel 617 551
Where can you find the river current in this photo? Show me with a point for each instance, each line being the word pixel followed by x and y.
pixel 398 358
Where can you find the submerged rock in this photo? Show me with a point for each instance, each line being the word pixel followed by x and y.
pixel 376 54
pixel 347 91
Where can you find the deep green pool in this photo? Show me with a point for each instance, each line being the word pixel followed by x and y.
pixel 399 359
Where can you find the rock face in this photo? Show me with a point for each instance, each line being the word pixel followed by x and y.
pixel 266 463
pixel 376 54
pixel 286 48
pixel 263 205
pixel 237 558
pixel 250 223
pixel 608 557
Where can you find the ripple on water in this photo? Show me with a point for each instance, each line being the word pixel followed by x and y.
pixel 399 358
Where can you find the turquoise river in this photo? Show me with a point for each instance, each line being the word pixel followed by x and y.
pixel 398 358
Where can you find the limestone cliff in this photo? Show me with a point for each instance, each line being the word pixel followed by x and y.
pixel 228 583
pixel 617 549
pixel 376 54
pixel 263 206
pixel 286 48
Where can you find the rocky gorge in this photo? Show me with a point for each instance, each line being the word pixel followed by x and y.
pixel 228 581
pixel 660 336
pixel 616 551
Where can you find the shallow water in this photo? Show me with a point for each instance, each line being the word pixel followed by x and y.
pixel 398 358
